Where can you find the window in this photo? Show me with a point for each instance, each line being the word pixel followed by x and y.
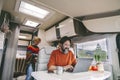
pixel 91 48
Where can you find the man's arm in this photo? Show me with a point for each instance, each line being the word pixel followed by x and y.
pixel 68 68
pixel 51 64
pixel 52 68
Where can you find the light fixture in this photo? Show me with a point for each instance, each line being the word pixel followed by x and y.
pixel 31 23
pixel 30 9
pixel 33 8
pixel 22 37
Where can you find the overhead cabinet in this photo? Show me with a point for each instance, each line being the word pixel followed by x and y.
pixel 23 43
pixel 72 27
pixel 103 25
pixel 51 34
pixel 67 28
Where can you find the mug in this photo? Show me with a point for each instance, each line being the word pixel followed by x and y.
pixel 59 70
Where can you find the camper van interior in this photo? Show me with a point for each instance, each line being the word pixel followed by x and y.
pixel 93 26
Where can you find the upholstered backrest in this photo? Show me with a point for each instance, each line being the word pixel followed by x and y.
pixel 44 56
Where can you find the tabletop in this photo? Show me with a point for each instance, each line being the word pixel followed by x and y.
pixel 89 75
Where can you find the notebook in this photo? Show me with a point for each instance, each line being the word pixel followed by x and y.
pixel 82 65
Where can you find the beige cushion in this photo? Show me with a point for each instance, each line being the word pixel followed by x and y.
pixel 44 56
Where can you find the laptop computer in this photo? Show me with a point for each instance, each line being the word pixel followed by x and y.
pixel 82 65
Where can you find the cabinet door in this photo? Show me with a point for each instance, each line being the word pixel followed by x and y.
pixel 23 43
pixel 51 34
pixel 67 28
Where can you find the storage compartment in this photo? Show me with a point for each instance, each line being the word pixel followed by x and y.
pixel 72 27
pixel 23 43
pixel 103 25
pixel 51 34
pixel 67 28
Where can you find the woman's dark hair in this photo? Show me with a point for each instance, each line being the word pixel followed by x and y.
pixel 64 39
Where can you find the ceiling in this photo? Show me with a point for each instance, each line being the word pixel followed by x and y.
pixel 9 5
pixel 63 8
pixel 76 8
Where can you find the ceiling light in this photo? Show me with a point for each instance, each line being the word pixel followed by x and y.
pixel 33 10
pixel 31 23
pixel 23 37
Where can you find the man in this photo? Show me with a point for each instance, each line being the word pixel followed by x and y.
pixel 31 57
pixel 62 57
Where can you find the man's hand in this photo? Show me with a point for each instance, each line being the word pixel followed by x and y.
pixel 68 67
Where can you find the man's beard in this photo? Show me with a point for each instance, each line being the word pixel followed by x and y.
pixel 65 51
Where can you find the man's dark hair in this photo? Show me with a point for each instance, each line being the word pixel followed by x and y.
pixel 64 39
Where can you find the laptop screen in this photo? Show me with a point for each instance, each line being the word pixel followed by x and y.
pixel 82 65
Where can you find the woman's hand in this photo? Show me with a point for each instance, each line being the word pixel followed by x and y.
pixel 35 55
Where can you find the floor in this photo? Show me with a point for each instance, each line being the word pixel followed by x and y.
pixel 20 78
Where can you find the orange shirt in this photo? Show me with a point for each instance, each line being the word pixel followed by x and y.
pixel 57 58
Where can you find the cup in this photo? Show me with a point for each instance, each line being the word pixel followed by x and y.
pixel 59 70
pixel 100 67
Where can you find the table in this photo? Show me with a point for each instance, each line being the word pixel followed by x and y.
pixel 90 75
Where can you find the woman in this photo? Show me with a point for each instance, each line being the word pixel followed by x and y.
pixel 31 57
